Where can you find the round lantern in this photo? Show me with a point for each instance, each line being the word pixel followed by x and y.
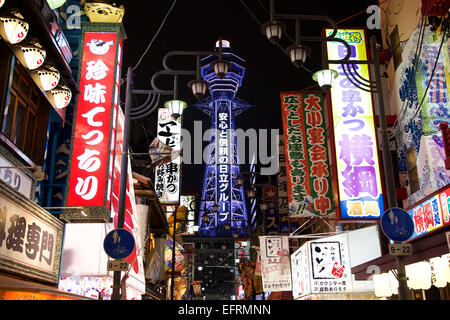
pixel 60 96
pixel 30 54
pixel 13 29
pixel 419 275
pixel 2 2
pixel 47 77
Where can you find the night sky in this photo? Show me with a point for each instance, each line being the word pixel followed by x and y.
pixel 196 25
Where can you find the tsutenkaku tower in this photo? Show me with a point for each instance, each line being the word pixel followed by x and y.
pixel 222 167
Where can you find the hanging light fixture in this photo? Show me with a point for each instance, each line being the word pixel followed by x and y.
pixel 239 181
pixel 263 206
pixel 325 78
pixel 31 54
pixel 54 4
pixel 251 193
pixel 419 275
pixel 220 67
pixel 273 30
pixel 175 107
pixel 298 54
pixel 2 2
pixel 215 207
pixel 13 29
pixel 46 77
pixel 198 87
pixel 60 96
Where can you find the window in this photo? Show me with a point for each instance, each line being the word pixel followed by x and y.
pixel 412 170
pixel 25 116
pixel 396 49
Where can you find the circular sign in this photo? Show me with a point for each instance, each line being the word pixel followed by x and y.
pixel 397 224
pixel 119 243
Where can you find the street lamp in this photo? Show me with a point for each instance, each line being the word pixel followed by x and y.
pixel 175 108
pixel 325 80
pixel 140 112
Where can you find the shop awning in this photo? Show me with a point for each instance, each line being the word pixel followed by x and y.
pixel 430 246
pixel 15 289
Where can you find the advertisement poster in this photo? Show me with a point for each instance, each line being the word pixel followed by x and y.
pixel 355 141
pixel 275 263
pixel 308 170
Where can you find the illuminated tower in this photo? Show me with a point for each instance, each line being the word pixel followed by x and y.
pixel 222 167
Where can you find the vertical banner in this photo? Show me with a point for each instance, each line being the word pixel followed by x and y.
pixel 275 263
pixel 223 162
pixel 355 141
pixel 91 138
pixel 167 176
pixel 271 218
pixel 307 166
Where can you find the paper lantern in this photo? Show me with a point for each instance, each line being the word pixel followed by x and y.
pixel 60 96
pixel 2 2
pixel 419 275
pixel 30 54
pixel 47 77
pixel 13 29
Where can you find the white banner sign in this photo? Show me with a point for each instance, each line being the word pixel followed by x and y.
pixel 275 263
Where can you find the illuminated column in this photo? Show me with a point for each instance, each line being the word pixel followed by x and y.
pixel 222 167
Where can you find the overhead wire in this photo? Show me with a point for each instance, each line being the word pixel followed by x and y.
pixel 156 34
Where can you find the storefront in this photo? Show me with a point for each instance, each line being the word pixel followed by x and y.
pixel 429 243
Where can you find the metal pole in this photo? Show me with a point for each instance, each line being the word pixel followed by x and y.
pixel 123 176
pixel 403 290
pixel 172 284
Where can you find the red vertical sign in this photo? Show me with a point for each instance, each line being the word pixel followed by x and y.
pixel 91 140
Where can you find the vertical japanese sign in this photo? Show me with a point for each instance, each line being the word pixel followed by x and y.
pixel 223 162
pixel 282 188
pixel 91 139
pixel 300 272
pixel 167 176
pixel 355 141
pixel 307 166
pixel 275 263
pixel 271 218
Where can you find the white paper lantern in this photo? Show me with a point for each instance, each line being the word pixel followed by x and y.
pixel 13 29
pixel 419 275
pixel 446 262
pixel 31 54
pixel 53 4
pixel 381 285
pixel 438 272
pixel 2 2
pixel 47 77
pixel 60 97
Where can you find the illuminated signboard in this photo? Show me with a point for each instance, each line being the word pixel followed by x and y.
pixel 188 202
pixel 30 237
pixel 431 214
pixel 94 121
pixel 357 163
pixel 307 165
pixel 167 176
pixel 223 162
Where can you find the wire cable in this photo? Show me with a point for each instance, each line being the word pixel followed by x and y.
pixel 154 37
